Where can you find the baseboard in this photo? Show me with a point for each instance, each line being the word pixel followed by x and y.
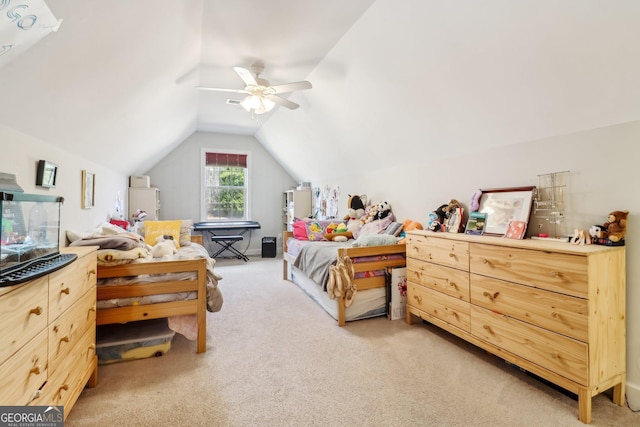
pixel 633 396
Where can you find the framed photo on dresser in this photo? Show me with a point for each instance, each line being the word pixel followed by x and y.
pixel 503 205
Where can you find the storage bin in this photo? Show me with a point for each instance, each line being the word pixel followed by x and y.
pixel 133 340
pixel 268 247
pixel 141 181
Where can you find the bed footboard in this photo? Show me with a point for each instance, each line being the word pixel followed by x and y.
pixel 382 261
pixel 154 311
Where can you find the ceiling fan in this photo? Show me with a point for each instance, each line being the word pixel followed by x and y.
pixel 261 96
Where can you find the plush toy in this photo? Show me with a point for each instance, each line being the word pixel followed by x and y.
pixel 436 218
pixel 598 232
pixel 164 247
pixel 355 207
pixel 580 237
pixel 383 210
pixel 409 225
pixel 474 205
pixel 616 225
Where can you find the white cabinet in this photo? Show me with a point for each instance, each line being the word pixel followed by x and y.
pixel 145 199
pixel 296 204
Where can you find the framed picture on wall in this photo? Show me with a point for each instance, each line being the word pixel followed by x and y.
pixel 503 205
pixel 88 189
pixel 46 174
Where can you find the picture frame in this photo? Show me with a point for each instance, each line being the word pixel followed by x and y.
pixel 503 205
pixel 46 174
pixel 88 189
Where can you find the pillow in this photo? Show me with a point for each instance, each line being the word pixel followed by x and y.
pixel 313 229
pixel 154 229
pixel 300 230
pixel 185 232
pixel 375 240
pixel 374 227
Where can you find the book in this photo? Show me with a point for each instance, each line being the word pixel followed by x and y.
pixel 476 223
pixel 516 229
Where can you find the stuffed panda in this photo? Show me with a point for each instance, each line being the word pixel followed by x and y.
pixel 383 211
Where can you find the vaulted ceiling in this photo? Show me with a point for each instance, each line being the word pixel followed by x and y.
pixel 116 83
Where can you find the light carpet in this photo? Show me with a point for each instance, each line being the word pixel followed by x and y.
pixel 275 358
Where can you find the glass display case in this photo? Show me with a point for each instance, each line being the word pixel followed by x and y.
pixel 30 243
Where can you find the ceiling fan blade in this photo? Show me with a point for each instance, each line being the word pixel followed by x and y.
pixel 290 87
pixel 217 89
pixel 283 102
pixel 246 76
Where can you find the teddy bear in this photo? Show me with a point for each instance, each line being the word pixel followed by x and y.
pixel 383 210
pixel 616 225
pixel 355 207
pixel 164 247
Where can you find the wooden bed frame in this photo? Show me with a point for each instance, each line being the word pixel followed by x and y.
pixel 196 306
pixel 363 283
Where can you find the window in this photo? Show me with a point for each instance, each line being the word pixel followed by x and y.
pixel 225 186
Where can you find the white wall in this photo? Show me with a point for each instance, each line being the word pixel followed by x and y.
pixel 20 155
pixel 178 177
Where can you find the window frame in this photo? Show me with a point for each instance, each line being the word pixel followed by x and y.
pixel 203 177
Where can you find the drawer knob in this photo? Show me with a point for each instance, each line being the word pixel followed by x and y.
pixel 486 261
pixel 555 355
pixel 491 297
pixel 488 328
pixel 557 274
pixel 65 291
pixel 453 285
pixel 37 311
pixel 64 339
pixel 90 272
pixel 452 255
pixel 35 370
pixel 418 298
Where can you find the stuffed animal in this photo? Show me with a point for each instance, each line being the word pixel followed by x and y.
pixel 164 247
pixel 355 206
pixel 436 218
pixel 383 210
pixel 616 225
pixel 580 237
pixel 409 225
pixel 598 232
pixel 474 205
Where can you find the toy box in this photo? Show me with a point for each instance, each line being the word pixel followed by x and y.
pixel 133 340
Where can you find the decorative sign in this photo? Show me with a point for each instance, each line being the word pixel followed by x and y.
pixel 22 24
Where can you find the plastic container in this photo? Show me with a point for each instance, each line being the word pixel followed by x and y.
pixel 133 340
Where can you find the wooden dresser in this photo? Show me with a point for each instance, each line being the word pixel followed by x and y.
pixel 47 349
pixel 554 309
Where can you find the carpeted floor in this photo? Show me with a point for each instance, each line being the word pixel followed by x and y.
pixel 275 358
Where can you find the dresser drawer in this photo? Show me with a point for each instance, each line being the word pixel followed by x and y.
pixel 448 309
pixel 555 272
pixel 65 385
pixel 69 328
pixel 444 279
pixel 23 314
pixel 563 314
pixel 66 286
pixel 558 353
pixel 439 251
pixel 25 372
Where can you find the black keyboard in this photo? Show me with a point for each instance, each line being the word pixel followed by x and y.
pixel 35 268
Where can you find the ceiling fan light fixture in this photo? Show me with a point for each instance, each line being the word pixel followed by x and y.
pixel 257 104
